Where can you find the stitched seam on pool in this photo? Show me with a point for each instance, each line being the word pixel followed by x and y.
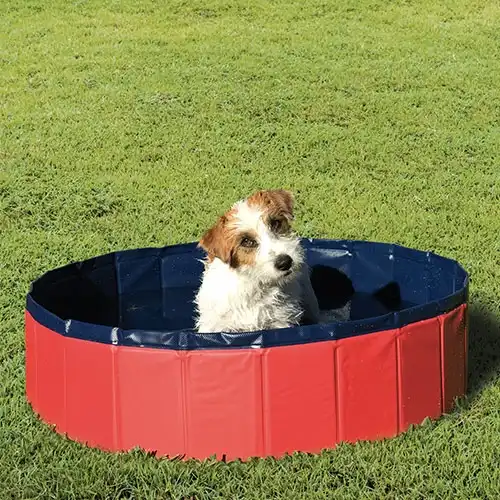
pixel 162 288
pixel 263 403
pixel 35 337
pixel 184 360
pixel 116 265
pixel 441 361
pixel 65 388
pixel 398 383
pixel 114 389
pixel 337 392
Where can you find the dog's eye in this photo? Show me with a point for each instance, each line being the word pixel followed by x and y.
pixel 276 225
pixel 248 242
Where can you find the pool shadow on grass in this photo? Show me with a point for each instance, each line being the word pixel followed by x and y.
pixel 484 347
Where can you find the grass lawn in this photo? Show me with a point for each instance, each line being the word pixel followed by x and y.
pixel 134 123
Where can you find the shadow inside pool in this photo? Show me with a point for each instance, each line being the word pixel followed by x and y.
pixel 96 300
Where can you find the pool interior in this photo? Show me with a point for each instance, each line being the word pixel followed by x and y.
pixel 151 290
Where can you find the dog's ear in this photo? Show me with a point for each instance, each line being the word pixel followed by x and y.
pixel 277 201
pixel 215 241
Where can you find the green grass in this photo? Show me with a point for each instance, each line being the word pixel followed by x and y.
pixel 127 123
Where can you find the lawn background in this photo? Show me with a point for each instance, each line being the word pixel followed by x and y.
pixel 134 123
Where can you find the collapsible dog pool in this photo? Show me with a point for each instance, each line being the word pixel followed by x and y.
pixel 112 360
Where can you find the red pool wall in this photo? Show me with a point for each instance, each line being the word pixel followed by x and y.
pixel 240 403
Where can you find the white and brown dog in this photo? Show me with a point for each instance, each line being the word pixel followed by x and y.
pixel 255 275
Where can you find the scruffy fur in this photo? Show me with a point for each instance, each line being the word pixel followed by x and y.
pixel 255 276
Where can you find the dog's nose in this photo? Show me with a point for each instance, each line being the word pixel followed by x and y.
pixel 283 262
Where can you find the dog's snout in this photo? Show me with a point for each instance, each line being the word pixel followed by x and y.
pixel 283 262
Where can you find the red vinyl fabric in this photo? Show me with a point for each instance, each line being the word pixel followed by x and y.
pixel 247 402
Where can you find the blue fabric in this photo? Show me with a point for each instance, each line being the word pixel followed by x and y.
pixel 145 297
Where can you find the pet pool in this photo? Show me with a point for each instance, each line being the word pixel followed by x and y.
pixel 112 360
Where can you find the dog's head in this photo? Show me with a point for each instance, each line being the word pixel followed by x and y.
pixel 255 238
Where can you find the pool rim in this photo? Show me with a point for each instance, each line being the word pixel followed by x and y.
pixel 188 339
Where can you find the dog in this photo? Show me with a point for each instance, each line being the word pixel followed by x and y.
pixel 255 275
